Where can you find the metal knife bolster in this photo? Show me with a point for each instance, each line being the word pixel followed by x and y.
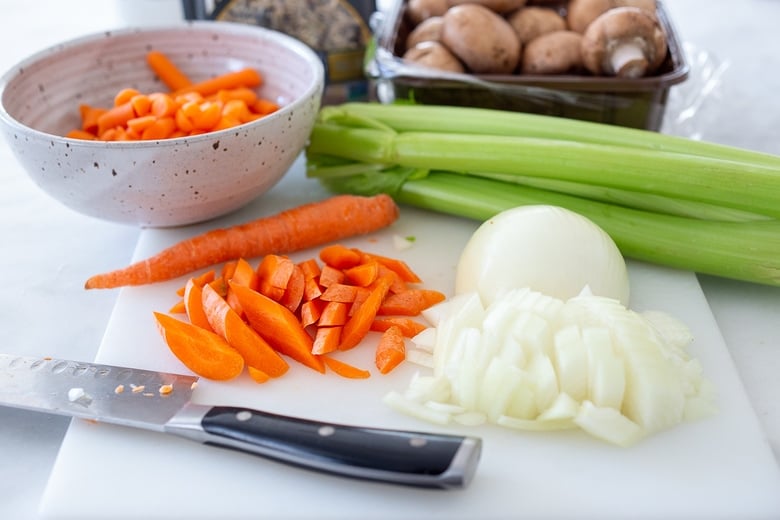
pixel 401 457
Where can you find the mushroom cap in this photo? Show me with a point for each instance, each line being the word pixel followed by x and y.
pixel 580 13
pixel 532 21
pixel 625 42
pixel 426 31
pixel 556 52
pixel 498 6
pixel 433 54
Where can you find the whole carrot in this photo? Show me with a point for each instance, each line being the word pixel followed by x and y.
pixel 292 230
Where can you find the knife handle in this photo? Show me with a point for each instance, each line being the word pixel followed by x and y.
pixel 401 457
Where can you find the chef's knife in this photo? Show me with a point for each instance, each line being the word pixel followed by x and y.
pixel 161 402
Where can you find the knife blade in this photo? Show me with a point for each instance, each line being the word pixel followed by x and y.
pixel 161 402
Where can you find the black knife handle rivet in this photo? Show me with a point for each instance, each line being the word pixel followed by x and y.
pixel 243 415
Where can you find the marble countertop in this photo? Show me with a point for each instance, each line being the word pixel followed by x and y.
pixel 48 250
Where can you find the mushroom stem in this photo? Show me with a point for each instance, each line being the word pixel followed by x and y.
pixel 628 60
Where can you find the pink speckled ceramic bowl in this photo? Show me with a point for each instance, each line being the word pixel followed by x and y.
pixel 167 182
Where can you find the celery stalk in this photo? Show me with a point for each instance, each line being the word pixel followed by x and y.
pixel 746 187
pixel 434 118
pixel 686 204
pixel 747 251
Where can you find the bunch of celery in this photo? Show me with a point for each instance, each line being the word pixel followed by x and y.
pixel 693 205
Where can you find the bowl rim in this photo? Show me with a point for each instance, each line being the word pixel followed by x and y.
pixel 297 46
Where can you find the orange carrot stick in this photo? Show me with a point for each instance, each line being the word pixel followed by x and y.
pixel 411 302
pixel 293 294
pixel 339 256
pixel 360 322
pixel 345 369
pixel 333 314
pixel 339 292
pixel 326 340
pixel 390 350
pixel 115 116
pixel 167 71
pixel 241 78
pixel 193 304
pixel 408 326
pixel 278 326
pixel 202 351
pixel 253 348
pixel 299 228
pixel 364 274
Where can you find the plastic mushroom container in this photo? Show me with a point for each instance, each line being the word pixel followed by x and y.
pixel 637 102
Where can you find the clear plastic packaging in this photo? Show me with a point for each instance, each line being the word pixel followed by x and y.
pixel 638 103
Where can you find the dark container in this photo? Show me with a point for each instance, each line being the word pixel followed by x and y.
pixel 636 103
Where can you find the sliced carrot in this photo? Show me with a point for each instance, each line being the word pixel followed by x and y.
pixel 339 292
pixel 77 133
pixel 163 105
pixel 359 323
pixel 279 326
pixel 162 128
pixel 305 226
pixel 340 257
pixel 167 71
pixel 193 304
pixel 183 122
pixel 204 352
pixel 90 116
pixel 345 369
pixel 201 280
pixel 273 275
pixel 247 77
pixel 398 284
pixel 142 105
pixel 257 375
pixel 310 268
pixel 411 302
pixel 139 124
pixel 333 314
pixel 245 94
pixel 244 274
pixel 264 106
pixel 311 289
pixel 228 268
pixel 330 275
pixel 326 340
pixel 293 293
pixel 409 327
pixel 177 308
pixel 206 117
pixel 391 350
pixel 253 348
pixel 399 266
pixel 363 274
pixel 125 95
pixel 116 116
pixel 361 295
pixel 311 311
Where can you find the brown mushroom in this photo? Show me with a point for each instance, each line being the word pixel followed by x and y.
pixel 483 40
pixel 556 52
pixel 627 42
pixel 434 55
pixel 531 22
pixel 419 10
pixel 429 30
pixel 497 6
pixel 580 13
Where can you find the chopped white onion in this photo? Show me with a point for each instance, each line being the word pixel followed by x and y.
pixel 532 362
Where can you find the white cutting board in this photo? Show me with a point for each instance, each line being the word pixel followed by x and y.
pixel 721 467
